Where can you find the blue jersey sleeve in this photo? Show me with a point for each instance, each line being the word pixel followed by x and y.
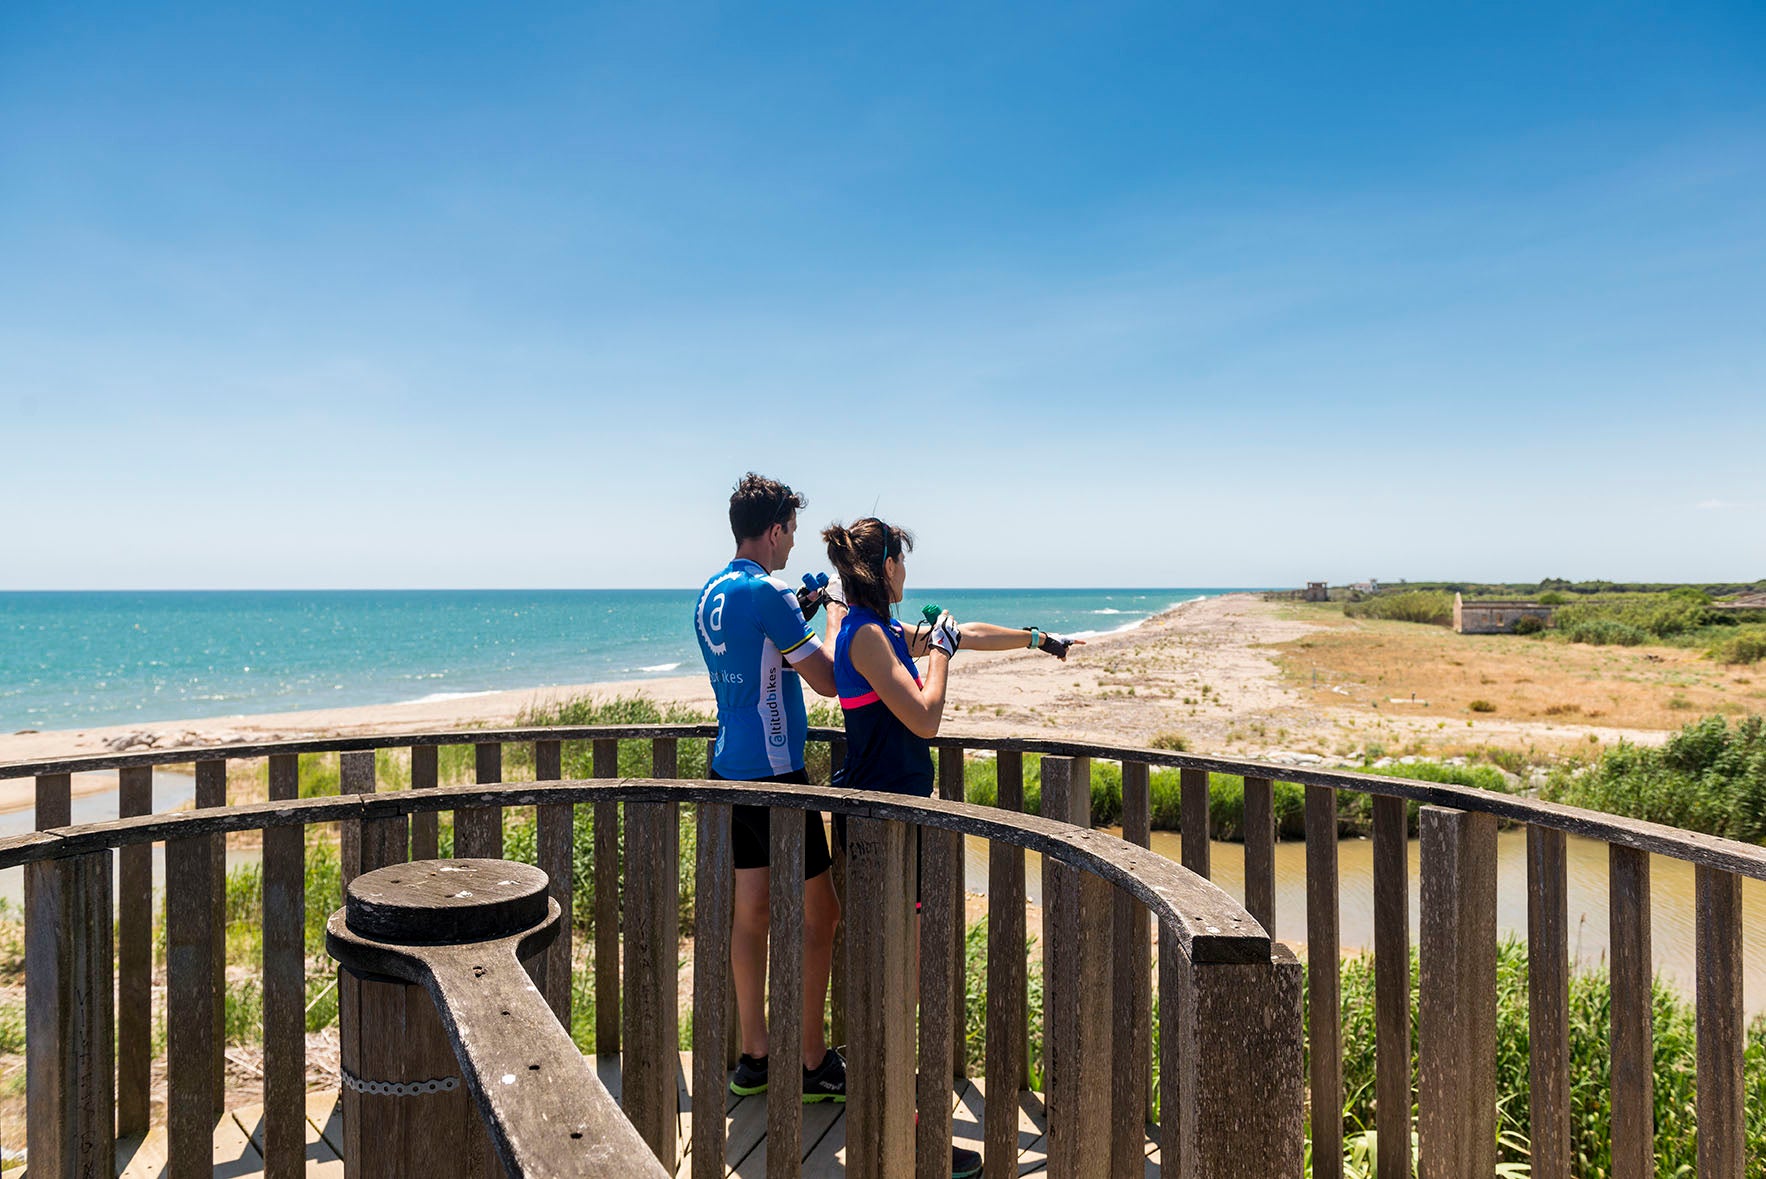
pixel 781 619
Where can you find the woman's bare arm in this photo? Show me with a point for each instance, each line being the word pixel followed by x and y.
pixel 920 708
pixel 977 636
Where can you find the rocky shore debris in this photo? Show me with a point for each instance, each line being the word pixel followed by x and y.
pixel 187 739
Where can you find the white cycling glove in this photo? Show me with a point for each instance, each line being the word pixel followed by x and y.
pixel 945 635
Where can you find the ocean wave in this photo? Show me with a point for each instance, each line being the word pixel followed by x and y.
pixel 440 697
pixel 1127 626
pixel 661 666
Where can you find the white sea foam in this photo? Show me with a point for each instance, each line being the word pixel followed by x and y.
pixel 439 697
pixel 661 667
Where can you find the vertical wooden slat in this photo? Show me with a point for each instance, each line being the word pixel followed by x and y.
pixel 784 1103
pixel 1260 852
pixel 211 791
pixel 134 938
pixel 837 968
pixel 1721 1095
pixel 647 1063
pixel 1007 1019
pixel 951 787
pixel 880 979
pixel 426 825
pixel 1058 903
pixel 1324 983
pixel 1076 986
pixel 1548 1004
pixel 285 1040
pixel 55 800
pixel 1457 1004
pixel 1193 820
pixel 191 1047
pixel 478 831
pixel 938 1027
pixel 606 765
pixel 556 824
pixel 70 1067
pixel 1131 1049
pixel 1632 1035
pixel 714 901
pixel 355 775
pixel 1392 987
pixel 1239 1102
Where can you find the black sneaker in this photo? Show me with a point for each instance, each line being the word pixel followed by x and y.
pixel 750 1076
pixel 826 1081
pixel 964 1163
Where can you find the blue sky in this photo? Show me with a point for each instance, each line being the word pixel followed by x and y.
pixel 1121 294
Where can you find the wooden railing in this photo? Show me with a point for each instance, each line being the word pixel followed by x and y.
pixel 1224 1085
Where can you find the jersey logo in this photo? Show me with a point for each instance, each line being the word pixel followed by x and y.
pixel 715 621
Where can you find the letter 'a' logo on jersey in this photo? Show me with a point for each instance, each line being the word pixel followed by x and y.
pixel 710 615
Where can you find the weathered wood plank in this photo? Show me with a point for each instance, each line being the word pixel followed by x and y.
pixel 478 831
pixel 1457 1003
pixel 607 877
pixel 355 775
pixel 1193 820
pixel 211 791
pixel 556 824
pixel 1079 1097
pixel 649 1035
pixel 1233 1104
pixel 1721 1092
pixel 1131 1040
pixel 951 786
pixel 70 1075
pixel 1324 982
pixel 784 1105
pixel 55 801
pixel 1007 1018
pixel 714 903
pixel 1260 852
pixel 1634 1126
pixel 1548 1002
pixel 425 825
pixel 191 1047
pixel 837 968
pixel 880 979
pixel 1392 986
pixel 285 1041
pixel 134 936
pixel 939 865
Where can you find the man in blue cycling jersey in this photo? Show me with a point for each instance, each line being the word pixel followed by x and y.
pixel 759 650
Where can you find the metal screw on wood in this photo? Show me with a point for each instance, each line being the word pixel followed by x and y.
pixel 435 950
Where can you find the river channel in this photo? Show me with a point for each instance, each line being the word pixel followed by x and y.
pixel 1671 900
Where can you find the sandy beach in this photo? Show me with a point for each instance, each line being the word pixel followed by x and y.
pixel 1220 673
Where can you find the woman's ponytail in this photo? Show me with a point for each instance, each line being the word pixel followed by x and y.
pixel 857 554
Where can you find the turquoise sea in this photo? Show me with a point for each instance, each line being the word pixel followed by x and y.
pixel 78 660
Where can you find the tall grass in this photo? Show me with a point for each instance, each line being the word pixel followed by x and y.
pixel 1708 777
pixel 1425 606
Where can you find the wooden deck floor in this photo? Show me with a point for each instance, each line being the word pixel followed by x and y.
pixel 239 1135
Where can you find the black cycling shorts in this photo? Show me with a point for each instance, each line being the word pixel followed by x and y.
pixel 750 831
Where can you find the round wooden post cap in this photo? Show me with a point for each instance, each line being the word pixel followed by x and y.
pixel 446 902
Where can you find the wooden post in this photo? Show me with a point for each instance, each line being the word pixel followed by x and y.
pixel 1131 1000
pixel 1392 986
pixel 478 831
pixel 939 1028
pixel 70 1079
pixel 1260 852
pixel 1457 1007
pixel 1634 1124
pixel 1231 1101
pixel 556 823
pixel 606 765
pixel 837 969
pixel 285 967
pixel 425 825
pixel 784 1102
pixel 211 791
pixel 1548 1004
pixel 1721 1095
pixel 1324 983
pixel 1193 804
pixel 714 901
pixel 191 1047
pixel 647 1064
pixel 55 805
pixel 951 787
pixel 1007 1019
pixel 880 979
pixel 134 958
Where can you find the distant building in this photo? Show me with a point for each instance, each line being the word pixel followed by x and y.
pixel 1491 617
pixel 1370 586
pixel 1317 591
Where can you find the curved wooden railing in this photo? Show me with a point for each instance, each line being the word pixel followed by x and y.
pixel 1094 889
